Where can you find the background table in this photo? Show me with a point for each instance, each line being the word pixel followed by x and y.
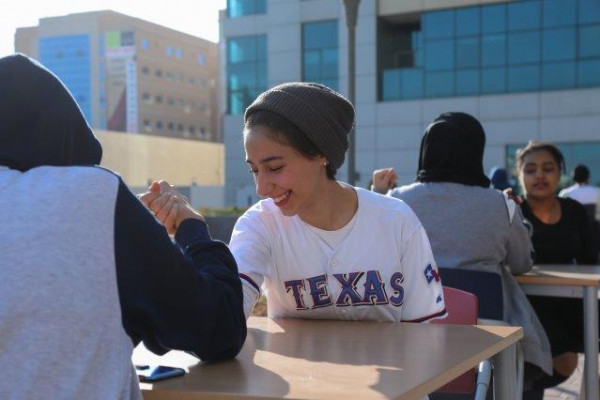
pixel 340 359
pixel 581 281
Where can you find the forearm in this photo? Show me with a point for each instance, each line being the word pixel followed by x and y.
pixel 172 299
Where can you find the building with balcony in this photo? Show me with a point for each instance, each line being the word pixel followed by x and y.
pixel 131 75
pixel 527 69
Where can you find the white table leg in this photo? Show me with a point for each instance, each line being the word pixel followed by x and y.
pixel 505 374
pixel 590 337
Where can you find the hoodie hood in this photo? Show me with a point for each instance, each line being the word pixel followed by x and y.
pixel 40 122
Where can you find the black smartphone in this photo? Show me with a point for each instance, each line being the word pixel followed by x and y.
pixel 147 373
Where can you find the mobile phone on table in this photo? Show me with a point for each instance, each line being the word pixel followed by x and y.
pixel 149 373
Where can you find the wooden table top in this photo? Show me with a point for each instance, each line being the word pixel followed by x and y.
pixel 314 359
pixel 562 275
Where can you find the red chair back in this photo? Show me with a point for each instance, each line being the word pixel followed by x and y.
pixel 462 308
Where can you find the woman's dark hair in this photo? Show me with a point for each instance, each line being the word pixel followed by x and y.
pixel 284 132
pixel 534 146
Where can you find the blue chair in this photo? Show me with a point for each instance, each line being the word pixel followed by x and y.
pixel 487 286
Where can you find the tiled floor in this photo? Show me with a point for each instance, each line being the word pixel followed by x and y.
pixel 569 390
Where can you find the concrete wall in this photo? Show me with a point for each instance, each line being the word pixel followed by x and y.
pixel 393 7
pixel 139 159
pixel 207 196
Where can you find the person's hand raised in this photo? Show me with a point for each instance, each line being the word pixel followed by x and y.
pixel 169 206
pixel 512 196
pixel 383 180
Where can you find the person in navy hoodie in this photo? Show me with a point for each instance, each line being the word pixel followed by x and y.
pixel 87 271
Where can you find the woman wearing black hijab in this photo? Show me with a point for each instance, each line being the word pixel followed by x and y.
pixel 470 225
pixel 87 272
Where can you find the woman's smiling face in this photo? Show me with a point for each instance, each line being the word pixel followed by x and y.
pixel 539 175
pixel 281 173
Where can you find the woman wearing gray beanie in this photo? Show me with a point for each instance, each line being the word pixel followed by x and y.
pixel 319 247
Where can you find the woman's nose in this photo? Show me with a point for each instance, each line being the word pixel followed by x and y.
pixel 263 185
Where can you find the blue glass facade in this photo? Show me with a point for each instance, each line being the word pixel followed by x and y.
pixel 520 46
pixel 240 8
pixel 69 58
pixel 320 53
pixel 246 71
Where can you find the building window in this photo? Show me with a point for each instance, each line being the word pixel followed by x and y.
pixel 158 73
pixel 68 57
pixel 246 71
pixel 159 99
pixel 145 70
pixel 320 53
pixel 171 126
pixel 520 46
pixel 240 8
pixel 159 125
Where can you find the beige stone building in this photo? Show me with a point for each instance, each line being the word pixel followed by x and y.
pixel 131 75
pixel 195 167
pixel 140 159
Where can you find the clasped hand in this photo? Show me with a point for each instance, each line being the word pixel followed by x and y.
pixel 168 205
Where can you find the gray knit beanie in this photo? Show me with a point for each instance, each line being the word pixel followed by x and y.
pixel 322 114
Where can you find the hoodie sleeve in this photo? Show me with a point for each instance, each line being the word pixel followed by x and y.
pixel 184 296
pixel 519 249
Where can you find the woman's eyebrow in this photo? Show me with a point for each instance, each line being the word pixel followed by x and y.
pixel 266 159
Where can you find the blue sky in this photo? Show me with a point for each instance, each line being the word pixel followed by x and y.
pixel 196 17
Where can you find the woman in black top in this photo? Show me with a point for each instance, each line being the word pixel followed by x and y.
pixel 562 234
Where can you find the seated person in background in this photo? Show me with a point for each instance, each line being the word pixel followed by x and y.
pixel 582 191
pixel 562 234
pixel 87 272
pixel 469 224
pixel 322 248
pixel 499 179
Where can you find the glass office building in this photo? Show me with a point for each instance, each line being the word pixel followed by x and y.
pixel 527 69
pixel 521 46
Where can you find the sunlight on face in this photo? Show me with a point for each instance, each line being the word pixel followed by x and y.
pixel 292 180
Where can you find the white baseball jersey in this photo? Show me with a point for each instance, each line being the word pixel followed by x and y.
pixel 383 269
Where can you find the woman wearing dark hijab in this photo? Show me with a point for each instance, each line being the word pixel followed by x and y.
pixel 87 272
pixel 470 225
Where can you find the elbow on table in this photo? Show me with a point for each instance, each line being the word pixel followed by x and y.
pixel 225 344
